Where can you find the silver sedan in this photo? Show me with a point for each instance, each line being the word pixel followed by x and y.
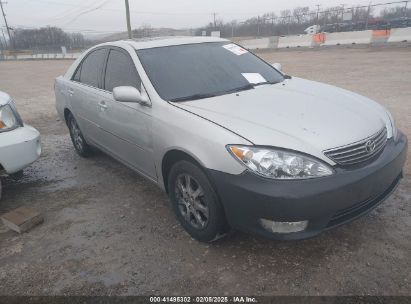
pixel 234 142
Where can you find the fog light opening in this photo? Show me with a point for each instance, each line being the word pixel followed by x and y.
pixel 283 227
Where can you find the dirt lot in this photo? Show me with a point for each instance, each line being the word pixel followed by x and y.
pixel 109 231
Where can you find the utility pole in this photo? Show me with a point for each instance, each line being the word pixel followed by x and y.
pixel 288 24
pixel 5 22
pixel 342 13
pixel 272 23
pixel 318 12
pixel 215 22
pixel 368 16
pixel 405 8
pixel 130 36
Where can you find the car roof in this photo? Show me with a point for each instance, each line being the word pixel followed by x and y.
pixel 154 42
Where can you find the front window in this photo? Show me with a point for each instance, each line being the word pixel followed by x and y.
pixel 194 71
pixel 120 71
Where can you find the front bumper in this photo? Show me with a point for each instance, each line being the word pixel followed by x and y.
pixel 19 148
pixel 325 202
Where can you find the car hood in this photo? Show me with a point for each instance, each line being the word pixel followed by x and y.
pixel 296 114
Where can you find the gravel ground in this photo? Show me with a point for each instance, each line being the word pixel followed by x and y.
pixel 108 231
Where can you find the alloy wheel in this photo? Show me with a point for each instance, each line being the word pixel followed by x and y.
pixel 191 202
pixel 76 135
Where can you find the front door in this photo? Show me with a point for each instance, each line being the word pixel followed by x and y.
pixel 126 126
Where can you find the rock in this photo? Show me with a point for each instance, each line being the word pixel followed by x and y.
pixel 22 219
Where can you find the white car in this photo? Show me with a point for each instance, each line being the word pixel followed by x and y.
pixel 313 29
pixel 19 143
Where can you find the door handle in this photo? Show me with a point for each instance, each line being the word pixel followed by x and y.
pixel 71 92
pixel 102 105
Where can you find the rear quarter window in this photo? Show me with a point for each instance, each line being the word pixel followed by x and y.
pixel 90 69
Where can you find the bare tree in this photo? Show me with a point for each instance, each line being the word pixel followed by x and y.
pixel 47 38
pixel 295 21
pixel 301 14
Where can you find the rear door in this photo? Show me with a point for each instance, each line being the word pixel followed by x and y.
pixel 85 93
pixel 126 126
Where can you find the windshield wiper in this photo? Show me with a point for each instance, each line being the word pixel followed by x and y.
pixel 208 95
pixel 248 86
pixel 193 97
pixel 266 82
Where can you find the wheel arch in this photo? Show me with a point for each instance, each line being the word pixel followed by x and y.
pixel 171 157
pixel 175 155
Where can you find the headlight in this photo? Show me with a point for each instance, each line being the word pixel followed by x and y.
pixel 9 120
pixel 279 164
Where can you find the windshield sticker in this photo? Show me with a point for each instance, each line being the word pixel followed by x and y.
pixel 254 78
pixel 233 48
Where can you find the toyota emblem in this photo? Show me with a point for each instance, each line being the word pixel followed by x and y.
pixel 370 146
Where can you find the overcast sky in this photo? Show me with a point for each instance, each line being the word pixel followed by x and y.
pixel 109 15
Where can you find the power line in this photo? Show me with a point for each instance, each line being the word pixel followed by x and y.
pixel 97 5
pixel 100 5
pixel 84 9
pixel 121 10
pixel 77 9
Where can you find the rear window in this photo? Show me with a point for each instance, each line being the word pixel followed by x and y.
pixel 91 68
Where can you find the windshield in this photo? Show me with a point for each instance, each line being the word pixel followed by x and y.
pixel 194 71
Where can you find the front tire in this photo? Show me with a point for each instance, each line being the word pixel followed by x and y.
pixel 195 202
pixel 77 138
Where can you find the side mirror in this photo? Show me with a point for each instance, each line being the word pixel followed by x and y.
pixel 277 66
pixel 130 94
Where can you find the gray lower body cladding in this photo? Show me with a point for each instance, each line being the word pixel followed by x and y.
pixel 324 202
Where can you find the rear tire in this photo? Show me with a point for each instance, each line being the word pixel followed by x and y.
pixel 77 138
pixel 17 175
pixel 195 202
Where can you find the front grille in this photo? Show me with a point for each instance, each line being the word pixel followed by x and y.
pixel 359 151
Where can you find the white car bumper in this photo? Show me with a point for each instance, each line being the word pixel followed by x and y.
pixel 19 148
